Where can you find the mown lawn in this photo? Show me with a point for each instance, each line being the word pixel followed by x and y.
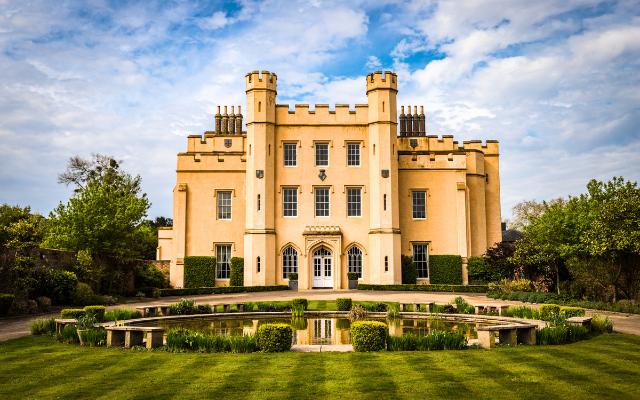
pixel 607 366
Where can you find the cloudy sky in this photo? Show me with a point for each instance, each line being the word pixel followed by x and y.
pixel 556 82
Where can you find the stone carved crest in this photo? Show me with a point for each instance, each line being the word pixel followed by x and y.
pixel 385 173
pixel 259 173
pixel 227 143
pixel 322 175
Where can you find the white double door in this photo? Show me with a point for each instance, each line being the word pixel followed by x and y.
pixel 322 268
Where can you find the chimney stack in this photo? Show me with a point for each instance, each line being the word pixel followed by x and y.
pixel 218 121
pixel 423 130
pixel 239 121
pixel 416 121
pixel 232 121
pixel 225 121
pixel 403 122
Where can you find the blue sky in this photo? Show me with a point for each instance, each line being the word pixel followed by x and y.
pixel 556 82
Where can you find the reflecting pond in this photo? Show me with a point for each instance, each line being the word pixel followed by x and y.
pixel 317 330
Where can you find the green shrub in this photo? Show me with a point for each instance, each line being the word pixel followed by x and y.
pixel 43 326
pixel 72 313
pixel 343 304
pixel 409 273
pixel 561 334
pixel 352 276
pixel 199 271
pixel 121 314
pixel 183 307
pixel 276 306
pixel 83 295
pixel 182 339
pixel 436 340
pixel 63 286
pixel 479 271
pixel 293 276
pixel 273 338
pixel 97 311
pixel 427 288
pixel 303 303
pixel 374 306
pixel 445 269
pixel 462 307
pixel 369 335
pixel 236 276
pixel 68 334
pixel 568 312
pixel 601 324
pixel 549 311
pixel 6 301
pixel 220 290
pixel 149 276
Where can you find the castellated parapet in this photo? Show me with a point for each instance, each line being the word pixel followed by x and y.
pixel 261 80
pixel 369 171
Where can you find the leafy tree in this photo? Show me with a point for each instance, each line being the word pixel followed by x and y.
pixel 527 211
pixel 106 213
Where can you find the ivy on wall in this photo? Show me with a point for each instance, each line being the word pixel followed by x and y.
pixel 409 273
pixel 445 269
pixel 236 277
pixel 199 271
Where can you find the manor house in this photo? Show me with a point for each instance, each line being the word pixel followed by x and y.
pixel 324 191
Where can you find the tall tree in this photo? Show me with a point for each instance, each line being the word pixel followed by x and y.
pixel 106 213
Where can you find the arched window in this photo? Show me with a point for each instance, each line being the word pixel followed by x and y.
pixel 354 260
pixel 289 262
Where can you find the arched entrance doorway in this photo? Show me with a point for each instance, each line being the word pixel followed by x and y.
pixel 322 268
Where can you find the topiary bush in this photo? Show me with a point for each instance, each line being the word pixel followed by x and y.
pixel 199 271
pixel 343 304
pixel 568 312
pixel 236 277
pixel 72 313
pixel 409 273
pixel 549 311
pixel 445 269
pixel 96 311
pixel 300 303
pixel 6 301
pixel 352 276
pixel 369 335
pixel 273 338
pixel 293 276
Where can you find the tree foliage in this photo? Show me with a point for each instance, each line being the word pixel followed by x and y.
pixel 105 214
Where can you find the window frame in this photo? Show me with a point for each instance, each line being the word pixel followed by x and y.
pixel 315 201
pixel 347 193
pixel 316 146
pixel 219 263
pixel 354 268
pixel 290 255
pixel 220 207
pixel 295 191
pixel 425 261
pixel 414 192
pixel 294 146
pixel 359 147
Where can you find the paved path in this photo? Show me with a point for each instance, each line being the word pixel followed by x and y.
pixel 625 323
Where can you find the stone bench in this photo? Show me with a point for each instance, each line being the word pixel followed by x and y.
pixel 507 334
pixel 151 311
pixel 499 309
pixel 129 336
pixel 584 321
pixel 61 323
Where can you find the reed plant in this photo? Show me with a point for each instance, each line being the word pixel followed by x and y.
pixel 43 326
pixel 436 340
pixel 182 339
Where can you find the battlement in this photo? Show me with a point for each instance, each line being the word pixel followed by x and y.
pixel 302 114
pixel 490 146
pixel 261 80
pixel 380 80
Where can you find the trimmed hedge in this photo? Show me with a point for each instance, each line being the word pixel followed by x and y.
pixel 478 271
pixel 343 304
pixel 624 306
pixel 96 311
pixel 72 313
pixel 369 335
pixel 199 271
pixel 548 311
pixel 220 290
pixel 274 338
pixel 409 273
pixel 445 269
pixel 236 277
pixel 569 312
pixel 6 301
pixel 428 288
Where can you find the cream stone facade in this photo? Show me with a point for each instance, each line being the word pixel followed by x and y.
pixel 323 192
